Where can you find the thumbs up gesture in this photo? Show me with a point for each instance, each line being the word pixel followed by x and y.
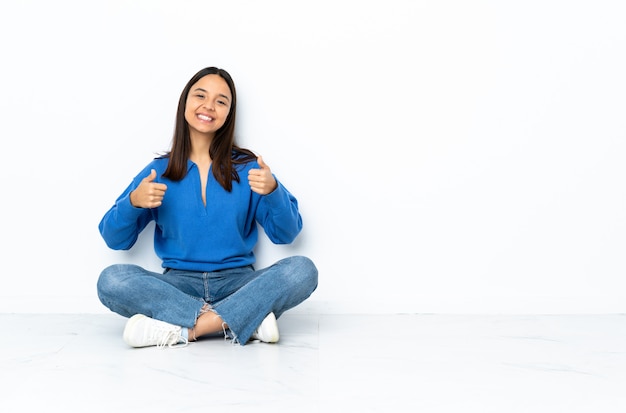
pixel 261 180
pixel 149 194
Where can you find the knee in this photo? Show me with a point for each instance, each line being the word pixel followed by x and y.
pixel 111 279
pixel 306 272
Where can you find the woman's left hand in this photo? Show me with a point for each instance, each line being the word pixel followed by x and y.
pixel 261 180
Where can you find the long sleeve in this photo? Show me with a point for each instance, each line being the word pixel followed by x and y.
pixel 279 216
pixel 121 225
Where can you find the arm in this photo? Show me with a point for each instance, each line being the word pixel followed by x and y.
pixel 121 225
pixel 279 216
pixel 277 211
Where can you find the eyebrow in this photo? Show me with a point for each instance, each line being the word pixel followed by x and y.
pixel 203 90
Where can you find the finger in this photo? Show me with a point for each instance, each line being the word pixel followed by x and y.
pixel 258 189
pixel 156 196
pixel 159 188
pixel 255 175
pixel 151 177
pixel 262 163
pixel 255 182
pixel 157 193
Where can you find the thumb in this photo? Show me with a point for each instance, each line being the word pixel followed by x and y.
pixel 262 164
pixel 151 177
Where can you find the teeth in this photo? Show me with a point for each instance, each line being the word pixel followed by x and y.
pixel 204 117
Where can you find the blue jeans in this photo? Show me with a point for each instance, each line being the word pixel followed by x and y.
pixel 242 297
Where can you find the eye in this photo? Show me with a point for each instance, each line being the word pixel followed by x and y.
pixel 221 102
pixel 199 95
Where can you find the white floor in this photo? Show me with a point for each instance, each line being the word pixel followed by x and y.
pixel 323 363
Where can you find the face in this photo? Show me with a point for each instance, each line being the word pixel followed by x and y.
pixel 208 105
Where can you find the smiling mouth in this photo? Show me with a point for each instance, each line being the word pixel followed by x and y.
pixel 205 118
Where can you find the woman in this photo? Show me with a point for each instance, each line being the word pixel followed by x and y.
pixel 207 197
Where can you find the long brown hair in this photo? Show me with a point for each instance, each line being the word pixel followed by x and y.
pixel 224 153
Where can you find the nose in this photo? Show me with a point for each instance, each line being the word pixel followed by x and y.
pixel 209 105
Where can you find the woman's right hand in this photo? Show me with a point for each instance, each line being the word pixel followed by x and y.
pixel 149 194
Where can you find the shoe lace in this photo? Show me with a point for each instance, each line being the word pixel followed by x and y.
pixel 171 338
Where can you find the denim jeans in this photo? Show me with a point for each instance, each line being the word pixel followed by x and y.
pixel 242 297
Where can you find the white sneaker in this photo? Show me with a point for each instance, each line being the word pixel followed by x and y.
pixel 267 332
pixel 143 331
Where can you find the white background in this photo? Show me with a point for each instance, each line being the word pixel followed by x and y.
pixel 448 156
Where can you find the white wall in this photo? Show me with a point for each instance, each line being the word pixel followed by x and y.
pixel 449 156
